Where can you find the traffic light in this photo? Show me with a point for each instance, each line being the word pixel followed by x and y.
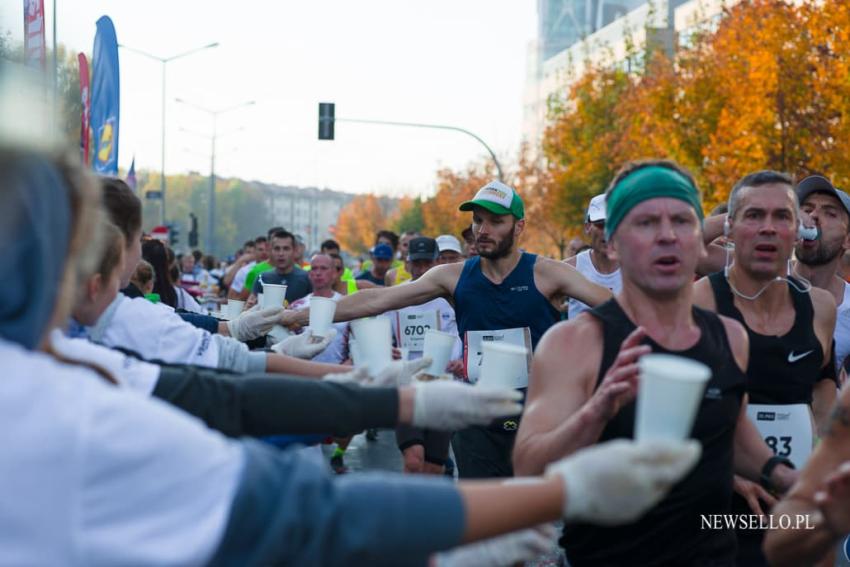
pixel 193 232
pixel 326 121
pixel 173 234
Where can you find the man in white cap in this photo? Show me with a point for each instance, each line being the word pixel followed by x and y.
pixel 595 264
pixel 504 294
pixel 450 249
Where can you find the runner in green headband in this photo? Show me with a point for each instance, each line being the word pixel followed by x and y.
pixel 646 183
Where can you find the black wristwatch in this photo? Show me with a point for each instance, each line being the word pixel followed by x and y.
pixel 768 467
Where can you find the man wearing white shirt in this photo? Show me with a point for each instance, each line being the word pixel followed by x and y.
pixel 322 276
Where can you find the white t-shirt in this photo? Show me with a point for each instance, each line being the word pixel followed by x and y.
pixel 337 351
pixel 613 281
pixel 154 333
pixel 842 329
pixel 238 283
pixel 132 373
pixel 186 302
pixel 439 307
pixel 79 459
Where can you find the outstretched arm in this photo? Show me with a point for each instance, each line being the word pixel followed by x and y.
pixel 437 282
pixel 558 280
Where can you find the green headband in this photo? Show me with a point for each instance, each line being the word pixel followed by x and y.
pixel 648 183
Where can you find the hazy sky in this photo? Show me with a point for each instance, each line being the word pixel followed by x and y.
pixel 457 62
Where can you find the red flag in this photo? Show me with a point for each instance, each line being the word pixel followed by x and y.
pixel 85 98
pixel 34 44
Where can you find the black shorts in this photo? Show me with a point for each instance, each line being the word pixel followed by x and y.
pixel 481 452
pixel 436 443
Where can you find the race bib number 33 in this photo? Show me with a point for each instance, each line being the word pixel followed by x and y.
pixel 787 430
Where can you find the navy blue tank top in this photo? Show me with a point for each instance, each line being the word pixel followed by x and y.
pixel 481 305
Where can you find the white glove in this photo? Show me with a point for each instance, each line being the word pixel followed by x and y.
pixel 356 376
pixel 449 406
pixel 254 323
pixel 302 346
pixel 504 550
pixel 400 372
pixel 618 481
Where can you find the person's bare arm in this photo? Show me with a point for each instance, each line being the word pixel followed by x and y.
pixel 565 412
pixel 485 503
pixel 437 282
pixel 806 546
pixel 282 364
pixel 558 280
pixel 715 257
pixel 231 272
pixel 825 390
pixel 389 277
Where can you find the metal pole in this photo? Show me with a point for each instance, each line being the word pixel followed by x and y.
pixel 437 126
pixel 55 117
pixel 162 146
pixel 211 209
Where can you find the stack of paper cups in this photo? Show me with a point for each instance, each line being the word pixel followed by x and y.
pixel 273 295
pixel 669 394
pixel 374 342
pixel 322 311
pixel 503 365
pixel 438 346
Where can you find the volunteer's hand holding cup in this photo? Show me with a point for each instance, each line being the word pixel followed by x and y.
pixel 449 406
pixel 305 345
pixel 509 549
pixel 619 481
pixel 254 323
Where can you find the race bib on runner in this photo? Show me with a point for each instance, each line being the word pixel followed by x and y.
pixel 472 353
pixel 412 327
pixel 787 430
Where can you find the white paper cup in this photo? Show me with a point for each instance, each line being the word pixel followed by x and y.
pixel 322 311
pixel 273 295
pixel 234 308
pixel 374 342
pixel 669 394
pixel 503 365
pixel 438 346
pixel 354 352
pixel 405 353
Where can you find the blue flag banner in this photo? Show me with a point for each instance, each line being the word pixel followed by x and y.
pixel 105 98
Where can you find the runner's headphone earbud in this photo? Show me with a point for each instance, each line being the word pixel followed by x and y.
pixel 726 227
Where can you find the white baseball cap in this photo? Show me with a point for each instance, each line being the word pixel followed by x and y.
pixel 596 209
pixel 448 242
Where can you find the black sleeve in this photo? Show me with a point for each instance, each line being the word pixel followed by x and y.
pixel 264 404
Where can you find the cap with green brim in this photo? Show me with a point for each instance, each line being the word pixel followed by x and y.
pixel 651 182
pixel 497 198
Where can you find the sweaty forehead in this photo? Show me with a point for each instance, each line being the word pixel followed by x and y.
pixel 822 199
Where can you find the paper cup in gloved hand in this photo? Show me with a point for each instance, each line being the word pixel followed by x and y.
pixel 669 393
pixel 234 308
pixel 273 295
pixel 503 366
pixel 322 311
pixel 438 346
pixel 374 342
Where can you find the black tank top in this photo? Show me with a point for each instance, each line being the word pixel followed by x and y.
pixel 671 534
pixel 782 370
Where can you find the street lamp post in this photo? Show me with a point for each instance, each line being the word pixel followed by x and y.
pixel 164 61
pixel 210 240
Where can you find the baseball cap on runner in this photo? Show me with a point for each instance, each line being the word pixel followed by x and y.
pixel 422 248
pixel 820 184
pixel 596 209
pixel 447 242
pixel 497 198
